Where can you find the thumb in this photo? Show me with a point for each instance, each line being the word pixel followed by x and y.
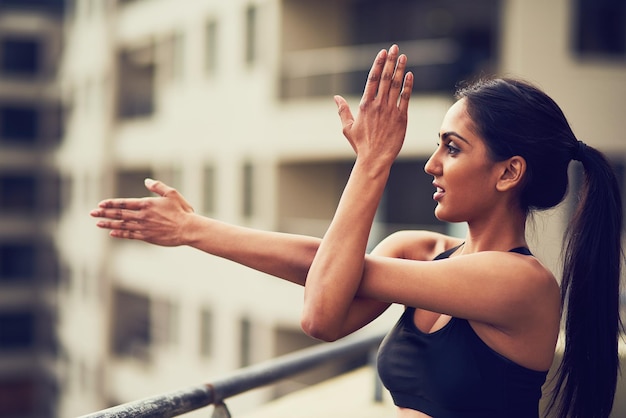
pixel 347 119
pixel 157 187
pixel 345 114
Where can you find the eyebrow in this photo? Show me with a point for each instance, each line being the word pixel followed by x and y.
pixel 445 135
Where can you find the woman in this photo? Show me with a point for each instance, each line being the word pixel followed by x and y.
pixel 482 314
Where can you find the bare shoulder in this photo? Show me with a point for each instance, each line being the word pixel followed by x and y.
pixel 527 277
pixel 415 245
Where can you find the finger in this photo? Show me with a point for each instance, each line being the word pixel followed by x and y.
pixel 119 225
pixel 347 119
pixel 405 95
pixel 373 78
pixel 345 114
pixel 397 80
pixel 158 187
pixel 132 204
pixel 127 234
pixel 389 69
pixel 117 214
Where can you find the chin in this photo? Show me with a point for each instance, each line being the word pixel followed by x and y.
pixel 441 215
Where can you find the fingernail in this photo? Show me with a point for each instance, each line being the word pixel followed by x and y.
pixel 148 182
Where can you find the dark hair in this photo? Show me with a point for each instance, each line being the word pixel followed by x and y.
pixel 516 118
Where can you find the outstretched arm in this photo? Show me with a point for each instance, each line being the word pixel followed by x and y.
pixel 169 220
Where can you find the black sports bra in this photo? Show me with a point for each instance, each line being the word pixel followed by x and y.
pixel 452 373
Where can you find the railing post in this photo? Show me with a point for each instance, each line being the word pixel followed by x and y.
pixel 378 385
pixel 220 411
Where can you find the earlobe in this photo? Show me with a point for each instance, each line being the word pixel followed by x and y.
pixel 513 170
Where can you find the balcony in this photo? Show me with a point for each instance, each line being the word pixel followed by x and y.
pixel 366 397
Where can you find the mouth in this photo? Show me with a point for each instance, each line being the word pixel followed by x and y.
pixel 439 193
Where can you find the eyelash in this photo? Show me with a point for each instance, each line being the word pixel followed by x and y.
pixel 451 149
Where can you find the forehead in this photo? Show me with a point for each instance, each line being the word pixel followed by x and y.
pixel 457 119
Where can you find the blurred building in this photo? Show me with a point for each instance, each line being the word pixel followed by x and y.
pixel 30 130
pixel 231 103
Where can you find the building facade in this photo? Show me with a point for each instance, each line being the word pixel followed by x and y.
pixel 31 120
pixel 231 103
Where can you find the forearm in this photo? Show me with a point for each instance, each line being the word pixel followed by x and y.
pixel 376 136
pixel 286 256
pixel 335 274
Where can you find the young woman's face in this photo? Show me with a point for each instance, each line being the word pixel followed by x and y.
pixel 464 174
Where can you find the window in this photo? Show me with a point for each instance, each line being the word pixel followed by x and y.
pixel 172 175
pixel 248 190
pixel 308 194
pixel 206 332
pixel 130 182
pixel 17 330
pixel 245 342
pixel 137 71
pixel 17 261
pixel 52 6
pixel 210 51
pixel 19 396
pixel 131 324
pixel 18 192
pixel 250 35
pixel 403 204
pixel 165 315
pixel 171 63
pixel 28 192
pixel 20 56
pixel 208 203
pixel 445 42
pixel 19 123
pixel 24 260
pixel 600 28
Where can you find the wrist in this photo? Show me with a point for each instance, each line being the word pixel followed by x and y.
pixel 189 231
pixel 373 168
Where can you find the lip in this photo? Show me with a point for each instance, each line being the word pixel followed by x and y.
pixel 439 193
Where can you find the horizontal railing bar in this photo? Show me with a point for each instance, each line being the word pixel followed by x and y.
pixel 290 364
pixel 167 405
pixel 186 400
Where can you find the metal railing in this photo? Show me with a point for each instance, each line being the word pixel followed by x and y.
pixel 195 397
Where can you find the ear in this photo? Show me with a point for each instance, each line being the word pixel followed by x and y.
pixel 511 174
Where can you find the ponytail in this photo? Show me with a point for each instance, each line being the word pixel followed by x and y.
pixel 587 376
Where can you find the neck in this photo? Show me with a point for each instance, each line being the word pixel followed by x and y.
pixel 500 231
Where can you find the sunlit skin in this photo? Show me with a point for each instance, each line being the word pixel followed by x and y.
pixel 512 301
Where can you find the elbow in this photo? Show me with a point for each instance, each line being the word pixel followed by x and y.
pixel 318 328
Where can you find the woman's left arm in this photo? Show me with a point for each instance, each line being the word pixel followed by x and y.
pixel 376 135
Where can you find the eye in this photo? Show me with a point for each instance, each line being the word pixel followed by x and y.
pixel 452 150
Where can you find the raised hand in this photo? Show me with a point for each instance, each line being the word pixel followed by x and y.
pixel 158 220
pixel 379 128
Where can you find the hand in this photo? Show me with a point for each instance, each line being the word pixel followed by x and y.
pixel 378 130
pixel 157 220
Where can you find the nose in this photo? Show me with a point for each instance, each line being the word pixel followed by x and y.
pixel 433 166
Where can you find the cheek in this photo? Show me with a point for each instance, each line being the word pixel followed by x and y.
pixel 466 197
